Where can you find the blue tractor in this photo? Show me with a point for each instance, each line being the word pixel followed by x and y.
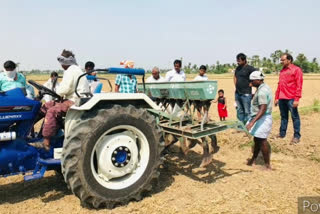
pixel 108 151
pixel 17 117
pixel 110 147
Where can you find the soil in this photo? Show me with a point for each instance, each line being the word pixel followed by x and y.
pixel 227 185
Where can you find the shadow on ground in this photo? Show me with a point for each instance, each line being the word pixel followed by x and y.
pixel 176 163
pixel 21 190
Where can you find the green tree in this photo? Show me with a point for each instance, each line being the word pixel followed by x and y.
pixel 255 61
pixel 303 63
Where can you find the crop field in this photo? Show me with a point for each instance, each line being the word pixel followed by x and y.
pixel 227 185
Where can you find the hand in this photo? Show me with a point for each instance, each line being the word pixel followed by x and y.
pixel 276 102
pixel 295 104
pixel 249 126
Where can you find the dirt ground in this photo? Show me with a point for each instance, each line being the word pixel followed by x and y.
pixel 228 185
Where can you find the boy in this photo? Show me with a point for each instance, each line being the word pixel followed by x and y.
pixel 202 104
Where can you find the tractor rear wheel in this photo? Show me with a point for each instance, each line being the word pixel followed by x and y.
pixel 112 156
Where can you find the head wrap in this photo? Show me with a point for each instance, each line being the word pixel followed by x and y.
pixel 67 61
pixel 127 63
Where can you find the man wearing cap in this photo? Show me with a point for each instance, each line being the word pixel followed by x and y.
pixel 260 122
pixel 53 111
pixel 288 95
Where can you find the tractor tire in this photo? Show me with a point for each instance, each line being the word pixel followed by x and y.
pixel 112 156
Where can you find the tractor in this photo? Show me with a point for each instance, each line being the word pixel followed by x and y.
pixel 109 149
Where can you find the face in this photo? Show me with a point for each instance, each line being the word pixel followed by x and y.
pixel 177 67
pixel 90 69
pixel 241 62
pixel 155 74
pixel 11 73
pixel 254 83
pixel 284 61
pixel 202 72
pixel 220 94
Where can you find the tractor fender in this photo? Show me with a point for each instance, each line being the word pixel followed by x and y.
pixel 140 99
pixel 102 100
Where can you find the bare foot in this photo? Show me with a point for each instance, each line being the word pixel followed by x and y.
pixel 251 162
pixel 268 168
pixel 264 168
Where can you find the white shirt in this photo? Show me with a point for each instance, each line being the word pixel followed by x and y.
pixel 201 78
pixel 67 86
pixel 174 76
pixel 48 84
pixel 152 79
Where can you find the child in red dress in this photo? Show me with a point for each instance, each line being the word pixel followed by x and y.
pixel 222 105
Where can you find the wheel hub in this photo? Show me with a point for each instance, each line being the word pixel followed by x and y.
pixel 121 156
pixel 117 155
pixel 128 146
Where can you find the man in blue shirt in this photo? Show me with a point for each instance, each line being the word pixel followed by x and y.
pixel 10 79
pixel 126 83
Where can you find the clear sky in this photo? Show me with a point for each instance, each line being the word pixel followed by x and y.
pixel 154 33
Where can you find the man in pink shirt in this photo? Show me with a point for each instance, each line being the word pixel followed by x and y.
pixel 288 95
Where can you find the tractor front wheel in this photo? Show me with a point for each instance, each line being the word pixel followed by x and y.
pixel 112 156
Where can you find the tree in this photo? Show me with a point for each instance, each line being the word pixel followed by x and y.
pixel 303 63
pixel 255 61
pixel 187 69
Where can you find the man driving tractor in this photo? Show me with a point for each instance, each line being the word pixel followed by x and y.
pixel 54 110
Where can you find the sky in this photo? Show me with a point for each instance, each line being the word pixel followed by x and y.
pixel 155 33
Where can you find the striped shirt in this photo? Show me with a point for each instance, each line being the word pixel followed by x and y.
pixel 127 84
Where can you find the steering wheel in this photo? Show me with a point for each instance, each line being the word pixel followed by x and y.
pixel 44 90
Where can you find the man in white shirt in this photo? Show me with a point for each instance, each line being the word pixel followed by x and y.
pixel 155 77
pixel 53 111
pixel 176 74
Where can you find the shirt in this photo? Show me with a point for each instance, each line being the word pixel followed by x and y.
pixel 152 79
pixel 30 91
pixel 6 84
pixel 200 78
pixel 127 84
pixel 49 85
pixel 67 86
pixel 262 96
pixel 174 76
pixel 242 74
pixel 290 83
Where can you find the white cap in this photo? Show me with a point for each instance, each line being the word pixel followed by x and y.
pixel 256 75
